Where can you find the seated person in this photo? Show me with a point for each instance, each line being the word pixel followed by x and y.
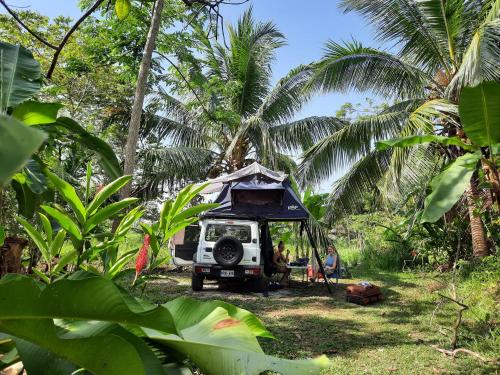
pixel 330 265
pixel 280 261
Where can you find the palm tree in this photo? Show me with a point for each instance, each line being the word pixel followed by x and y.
pixel 439 47
pixel 229 114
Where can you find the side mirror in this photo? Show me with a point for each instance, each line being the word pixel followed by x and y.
pixel 254 240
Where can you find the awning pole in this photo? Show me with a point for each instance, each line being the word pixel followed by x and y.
pixel 318 259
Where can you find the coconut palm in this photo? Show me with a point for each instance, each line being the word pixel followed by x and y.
pixel 229 114
pixel 438 47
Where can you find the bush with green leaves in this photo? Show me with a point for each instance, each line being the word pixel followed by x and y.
pixel 87 322
pixel 479 111
pixel 33 136
pixel 175 215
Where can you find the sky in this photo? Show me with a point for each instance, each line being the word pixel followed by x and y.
pixel 307 25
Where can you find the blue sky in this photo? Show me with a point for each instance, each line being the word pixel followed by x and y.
pixel 306 24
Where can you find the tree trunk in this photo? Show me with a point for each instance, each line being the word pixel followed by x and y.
pixel 11 254
pixel 140 93
pixel 478 233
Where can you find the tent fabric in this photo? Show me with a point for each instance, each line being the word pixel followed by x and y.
pixel 258 194
pixel 217 184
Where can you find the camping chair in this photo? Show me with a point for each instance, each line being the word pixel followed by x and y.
pixel 337 272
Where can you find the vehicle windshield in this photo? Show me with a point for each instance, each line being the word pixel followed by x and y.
pixel 216 231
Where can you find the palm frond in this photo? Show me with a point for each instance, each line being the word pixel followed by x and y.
pixel 430 115
pixel 412 175
pixel 405 23
pixel 348 192
pixel 287 97
pixel 303 134
pixel 167 166
pixel 480 61
pixel 253 47
pixel 353 66
pixel 446 20
pixel 344 147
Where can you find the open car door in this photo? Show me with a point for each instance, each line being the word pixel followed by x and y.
pixel 184 245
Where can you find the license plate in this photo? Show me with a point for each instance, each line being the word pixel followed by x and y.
pixel 227 273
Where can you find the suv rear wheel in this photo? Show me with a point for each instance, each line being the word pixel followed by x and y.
pixel 196 282
pixel 228 251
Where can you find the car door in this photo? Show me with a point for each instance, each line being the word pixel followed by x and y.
pixel 184 245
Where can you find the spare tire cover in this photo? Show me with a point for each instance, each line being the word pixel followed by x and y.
pixel 228 251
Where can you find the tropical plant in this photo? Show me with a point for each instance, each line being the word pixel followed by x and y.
pixel 479 110
pixel 230 114
pixel 50 246
pixel 175 215
pixel 30 127
pixel 440 47
pixel 83 224
pixel 104 330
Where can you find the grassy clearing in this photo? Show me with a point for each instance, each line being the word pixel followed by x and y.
pixel 393 336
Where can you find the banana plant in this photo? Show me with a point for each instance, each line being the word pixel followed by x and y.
pixel 174 216
pixel 81 225
pixel 479 110
pixel 50 246
pixel 70 325
pixel 113 263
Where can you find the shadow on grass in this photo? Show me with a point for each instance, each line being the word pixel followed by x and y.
pixel 305 335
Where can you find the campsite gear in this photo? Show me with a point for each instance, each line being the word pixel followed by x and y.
pixel 363 293
pixel 255 192
pixel 301 262
pixel 310 271
pixel 249 198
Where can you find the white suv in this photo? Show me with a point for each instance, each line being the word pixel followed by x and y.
pixel 221 249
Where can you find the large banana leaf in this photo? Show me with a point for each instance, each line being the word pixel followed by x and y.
pixel 20 75
pixel 90 322
pixel 18 143
pixel 220 344
pixel 449 186
pixel 480 113
pixel 107 157
pixel 36 113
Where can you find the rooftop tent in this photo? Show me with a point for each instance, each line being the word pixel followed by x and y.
pixel 256 192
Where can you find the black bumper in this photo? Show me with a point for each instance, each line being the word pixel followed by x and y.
pixel 240 272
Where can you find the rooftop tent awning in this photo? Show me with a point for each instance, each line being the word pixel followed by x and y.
pixel 256 192
pixel 217 184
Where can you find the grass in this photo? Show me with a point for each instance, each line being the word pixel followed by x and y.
pixel 390 337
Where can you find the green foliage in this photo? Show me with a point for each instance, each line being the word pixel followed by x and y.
pixel 122 8
pixel 480 113
pixel 106 156
pixel 174 216
pixel 101 316
pixel 449 186
pixel 19 142
pixel 20 76
pixel 82 226
pixel 456 39
pixel 412 140
pixel 49 245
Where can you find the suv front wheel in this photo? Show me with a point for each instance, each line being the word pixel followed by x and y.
pixel 196 282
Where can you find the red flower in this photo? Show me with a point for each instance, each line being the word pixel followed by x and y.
pixel 142 257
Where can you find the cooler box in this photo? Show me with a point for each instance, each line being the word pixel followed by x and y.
pixel 363 293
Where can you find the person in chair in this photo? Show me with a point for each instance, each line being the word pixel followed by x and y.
pixel 280 261
pixel 330 265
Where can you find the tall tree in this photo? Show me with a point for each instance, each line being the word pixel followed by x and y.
pixel 140 92
pixel 230 114
pixel 441 46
